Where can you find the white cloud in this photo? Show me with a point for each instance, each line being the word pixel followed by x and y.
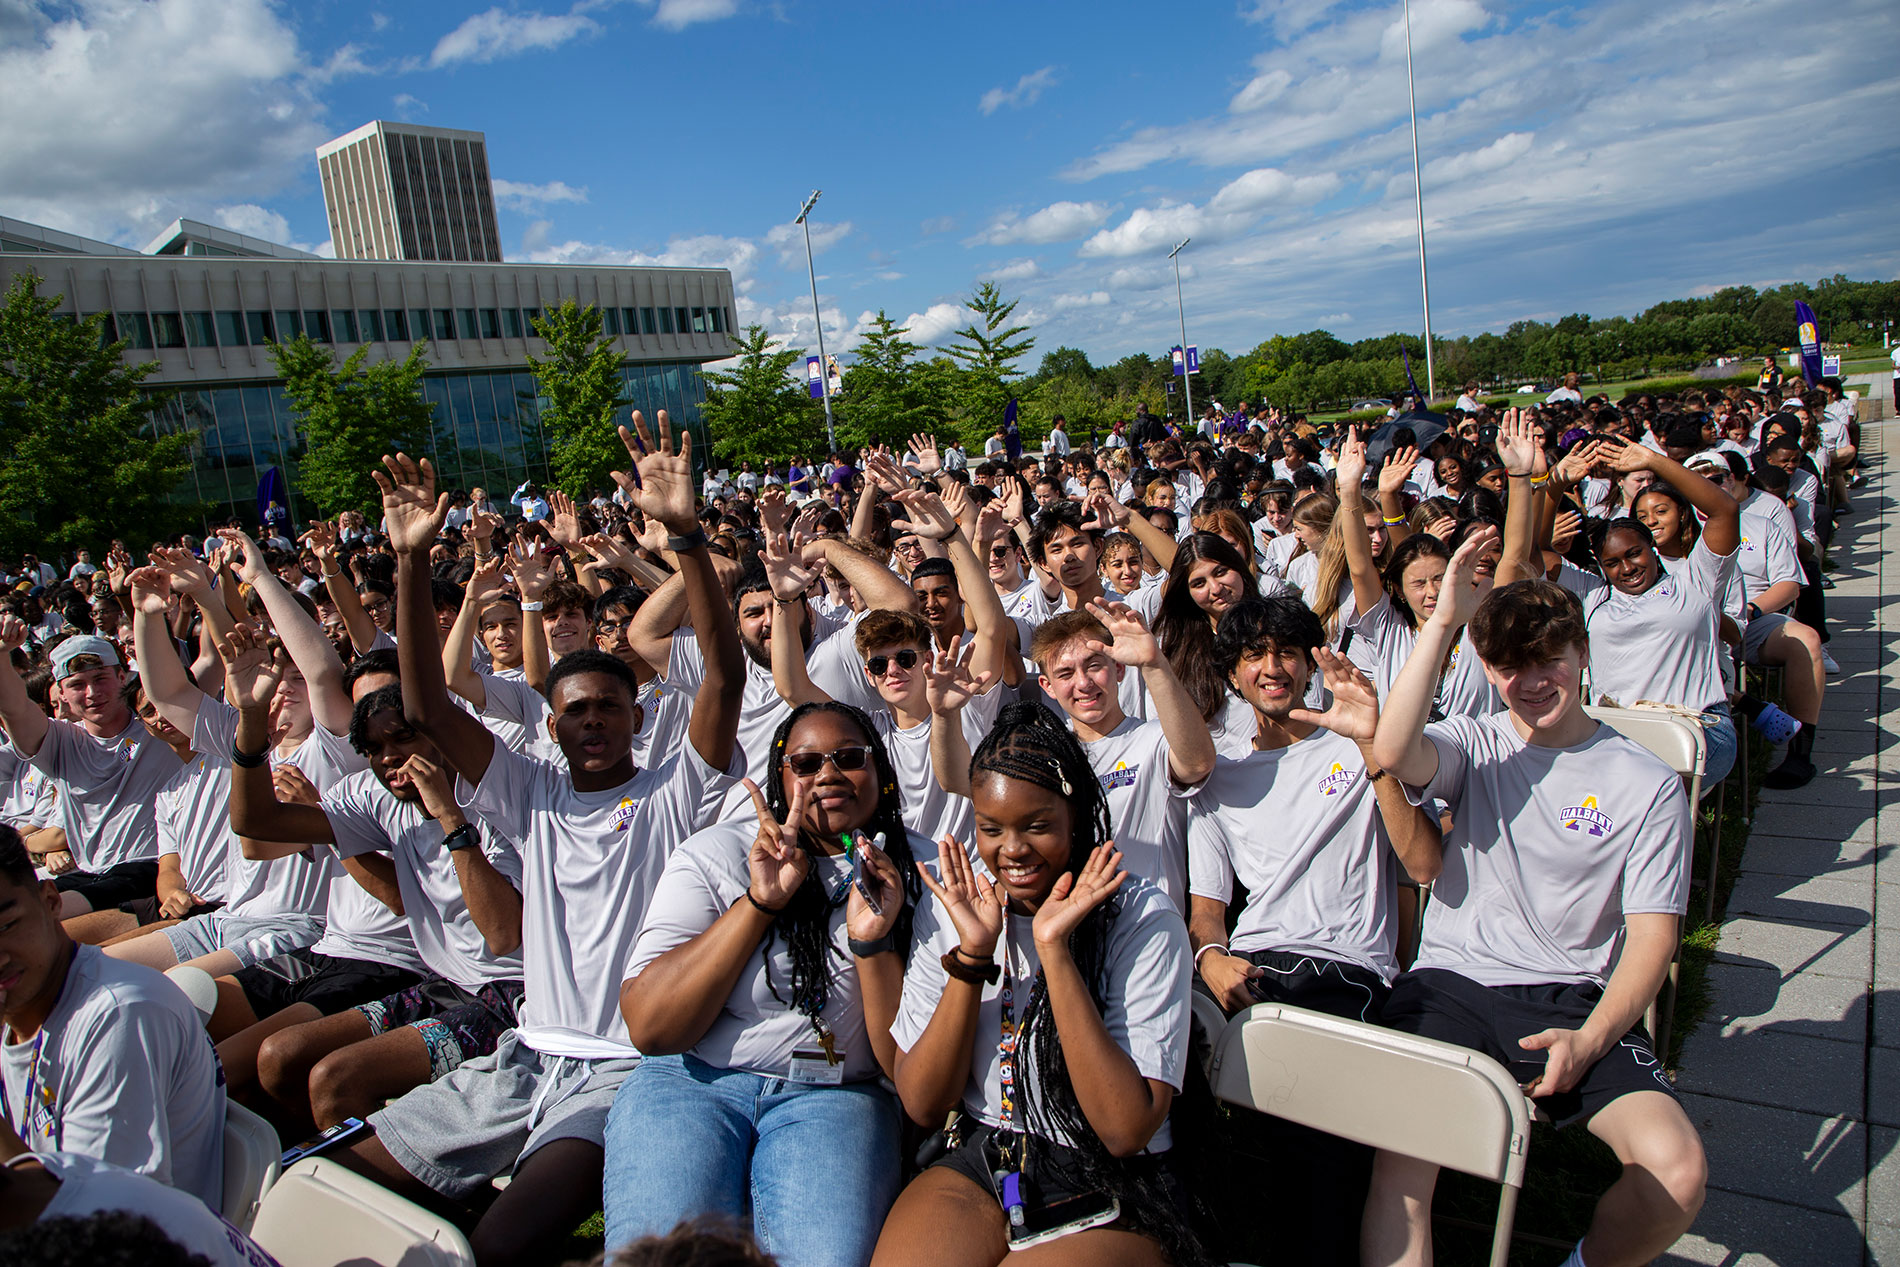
pixel 377 21
pixel 1027 89
pixel 124 114
pixel 1263 90
pixel 1057 222
pixel 935 324
pixel 675 15
pixel 938 224
pixel 522 196
pixel 1434 24
pixel 403 101
pixel 1148 229
pixel 1094 299
pixel 1014 271
pixel 890 275
pixel 253 221
pixel 706 250
pixel 496 33
pixel 1147 276
pixel 789 239
pixel 1265 186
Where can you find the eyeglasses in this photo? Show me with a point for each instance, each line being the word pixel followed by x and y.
pixel 878 664
pixel 611 627
pixel 806 764
pixel 376 605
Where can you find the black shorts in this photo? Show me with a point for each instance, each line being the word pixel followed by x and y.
pixel 1436 1003
pixel 1324 985
pixel 145 909
pixel 326 982
pixel 976 1158
pixel 127 882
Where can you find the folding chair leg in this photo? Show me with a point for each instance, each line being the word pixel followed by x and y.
pixel 1715 851
pixel 1507 1218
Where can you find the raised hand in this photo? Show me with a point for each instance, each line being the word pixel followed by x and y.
pixel 785 571
pixel 1110 512
pixel 1398 468
pixel 609 551
pixel 775 511
pixel 413 512
pixel 12 633
pixel 485 582
pixel 294 786
pixel 948 683
pixel 530 568
pixel 1133 644
pixel 884 473
pixel 118 567
pixel 564 521
pixel 320 537
pixel 1564 529
pixel 1009 500
pixel 250 673
pixel 776 862
pixel 1459 596
pixel 248 557
pixel 661 482
pixel 1625 456
pixel 923 450
pixel 1349 476
pixel 1520 444
pixel 481 528
pixel 188 573
pixel 925 511
pixel 861 921
pixel 1576 464
pixel 974 904
pixel 989 526
pixel 1354 712
pixel 151 590
pixel 1074 896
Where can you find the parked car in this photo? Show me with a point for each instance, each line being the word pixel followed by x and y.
pixel 1371 402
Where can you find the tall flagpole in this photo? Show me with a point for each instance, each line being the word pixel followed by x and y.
pixel 1418 194
pixel 824 365
pixel 1187 428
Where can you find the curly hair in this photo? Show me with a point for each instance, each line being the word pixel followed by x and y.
pixel 805 923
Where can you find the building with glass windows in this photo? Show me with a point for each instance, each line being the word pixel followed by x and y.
pixel 400 191
pixel 204 303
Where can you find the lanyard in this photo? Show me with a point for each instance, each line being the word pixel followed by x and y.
pixel 1008 1042
pixel 813 1006
pixel 53 1132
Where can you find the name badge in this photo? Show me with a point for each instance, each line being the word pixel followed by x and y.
pixel 811 1066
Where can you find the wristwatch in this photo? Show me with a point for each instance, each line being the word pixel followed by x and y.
pixel 692 540
pixel 463 837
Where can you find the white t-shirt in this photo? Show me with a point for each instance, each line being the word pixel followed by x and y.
pixel 356 924
pixel 1300 828
pixel 368 818
pixel 930 811
pixel 89 1187
pixel 590 862
pixel 29 794
pixel 1149 977
pixel 1382 643
pixel 1767 554
pixel 758 1029
pixel 761 711
pixel 1550 848
pixel 123 1072
pixel 1147 809
pixel 107 791
pixel 194 821
pixel 1663 645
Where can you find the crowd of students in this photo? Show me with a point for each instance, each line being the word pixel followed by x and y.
pixel 701 851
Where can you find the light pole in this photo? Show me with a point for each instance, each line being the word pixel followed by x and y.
pixel 1418 195
pixel 824 366
pixel 1186 378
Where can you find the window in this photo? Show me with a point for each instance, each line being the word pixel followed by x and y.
pixel 419 324
pixel 343 325
pixel 395 325
pixel 648 325
pixel 168 330
pixel 135 328
pixel 108 329
pixel 610 322
pixel 289 324
pixel 511 322
pixel 369 325
pixel 491 324
pixel 718 320
pixel 680 320
pixel 231 330
pixel 666 321
pixel 528 317
pixel 317 322
pixel 261 329
pixel 444 323
pixel 465 323
pixel 630 320
pixel 200 330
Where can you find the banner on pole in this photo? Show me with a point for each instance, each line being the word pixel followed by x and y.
pixel 815 377
pixel 1830 365
pixel 1186 363
pixel 1808 335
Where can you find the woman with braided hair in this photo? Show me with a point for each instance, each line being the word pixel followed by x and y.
pixel 761 992
pixel 1049 1005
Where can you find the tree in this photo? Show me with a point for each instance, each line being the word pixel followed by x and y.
pixel 988 354
pixel 78 462
pixel 580 382
pixel 885 401
pixel 352 415
pixel 757 411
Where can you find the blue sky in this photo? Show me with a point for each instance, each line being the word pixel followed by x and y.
pixel 1593 158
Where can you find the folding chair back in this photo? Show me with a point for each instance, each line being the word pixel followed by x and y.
pixel 251 1154
pixel 322 1215
pixel 1417 1097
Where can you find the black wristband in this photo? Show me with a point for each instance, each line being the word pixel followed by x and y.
pixel 692 540
pixel 758 905
pixel 961 970
pixel 865 949
pixel 248 760
pixel 463 837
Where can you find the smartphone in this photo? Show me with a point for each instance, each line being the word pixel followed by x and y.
pixel 323 1141
pixel 1076 1214
pixel 862 877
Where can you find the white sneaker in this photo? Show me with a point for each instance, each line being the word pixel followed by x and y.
pixel 1827 662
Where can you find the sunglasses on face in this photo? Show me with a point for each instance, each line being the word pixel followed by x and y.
pixel 879 664
pixel 806 764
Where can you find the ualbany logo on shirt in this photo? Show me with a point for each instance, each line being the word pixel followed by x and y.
pixel 623 813
pixel 1123 775
pixel 1586 817
pixel 1336 780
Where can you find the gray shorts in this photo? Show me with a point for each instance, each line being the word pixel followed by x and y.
pixel 1758 631
pixel 487 1117
pixel 250 938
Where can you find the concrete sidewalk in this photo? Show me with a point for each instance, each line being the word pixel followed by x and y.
pixel 1793 1077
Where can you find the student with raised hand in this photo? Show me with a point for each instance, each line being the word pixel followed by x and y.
pixel 592 839
pixel 762 991
pixel 106 768
pixel 1048 1005
pixel 1554 917
pixel 97 1057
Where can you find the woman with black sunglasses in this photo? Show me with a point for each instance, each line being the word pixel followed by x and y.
pixel 762 992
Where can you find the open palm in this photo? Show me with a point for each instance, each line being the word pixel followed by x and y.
pixel 413 513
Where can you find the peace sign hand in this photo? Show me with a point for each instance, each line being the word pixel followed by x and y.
pixel 777 864
pixel 1073 897
pixel 974 904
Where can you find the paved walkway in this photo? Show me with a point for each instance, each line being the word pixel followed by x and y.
pixel 1794 1075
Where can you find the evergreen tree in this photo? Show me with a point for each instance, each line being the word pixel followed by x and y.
pixel 352 415
pixel 579 381
pixel 757 411
pixel 886 399
pixel 988 354
pixel 78 461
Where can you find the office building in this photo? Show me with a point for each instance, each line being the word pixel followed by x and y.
pixel 204 303
pixel 396 191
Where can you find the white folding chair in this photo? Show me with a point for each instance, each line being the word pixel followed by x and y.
pixel 320 1214
pixel 1416 1097
pixel 198 985
pixel 1678 741
pixel 251 1164
pixel 1212 1020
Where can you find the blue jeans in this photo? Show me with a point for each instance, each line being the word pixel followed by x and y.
pixel 1718 734
pixel 814 1170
